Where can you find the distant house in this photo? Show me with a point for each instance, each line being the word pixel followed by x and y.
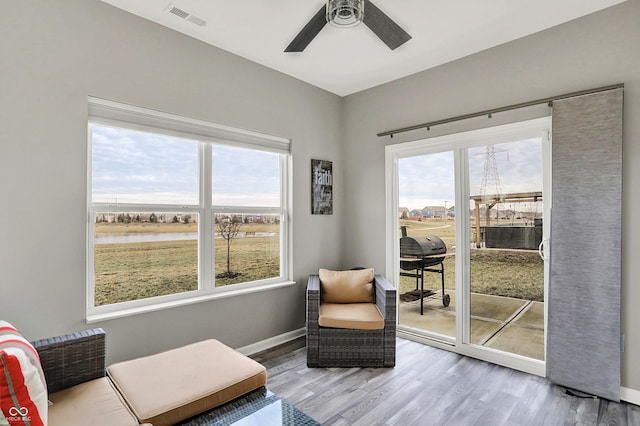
pixel 403 213
pixel 415 214
pixel 435 212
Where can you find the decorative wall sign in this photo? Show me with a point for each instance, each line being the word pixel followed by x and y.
pixel 321 187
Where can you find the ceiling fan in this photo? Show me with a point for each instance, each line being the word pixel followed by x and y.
pixel 349 13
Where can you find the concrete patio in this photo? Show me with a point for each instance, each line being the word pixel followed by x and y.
pixel 503 323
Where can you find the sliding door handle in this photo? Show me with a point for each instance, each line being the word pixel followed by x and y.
pixel 541 249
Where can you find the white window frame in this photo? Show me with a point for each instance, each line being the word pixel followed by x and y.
pixel 109 113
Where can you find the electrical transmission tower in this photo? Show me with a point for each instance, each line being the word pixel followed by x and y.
pixel 490 188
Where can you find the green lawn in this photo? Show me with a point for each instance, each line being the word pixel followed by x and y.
pixel 509 273
pixel 131 271
pixel 134 271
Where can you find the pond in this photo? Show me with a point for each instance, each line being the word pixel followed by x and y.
pixel 114 238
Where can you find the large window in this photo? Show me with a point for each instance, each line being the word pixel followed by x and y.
pixel 180 210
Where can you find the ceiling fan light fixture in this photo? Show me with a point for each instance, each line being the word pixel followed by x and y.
pixel 345 13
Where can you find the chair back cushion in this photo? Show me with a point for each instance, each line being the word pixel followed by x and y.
pixel 354 286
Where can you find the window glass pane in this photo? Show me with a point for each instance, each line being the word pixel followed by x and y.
pixel 130 166
pixel 141 255
pixel 245 177
pixel 246 247
pixel 506 272
pixel 427 283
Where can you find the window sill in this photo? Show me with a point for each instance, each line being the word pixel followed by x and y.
pixel 121 313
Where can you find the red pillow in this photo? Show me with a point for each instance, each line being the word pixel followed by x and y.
pixel 23 390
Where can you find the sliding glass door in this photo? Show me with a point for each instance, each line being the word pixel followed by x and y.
pixel 467 217
pixel 507 219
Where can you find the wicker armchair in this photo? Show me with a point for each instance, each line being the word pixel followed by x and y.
pixel 345 347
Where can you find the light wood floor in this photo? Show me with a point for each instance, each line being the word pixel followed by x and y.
pixel 431 386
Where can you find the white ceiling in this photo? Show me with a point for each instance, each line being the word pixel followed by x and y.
pixel 345 61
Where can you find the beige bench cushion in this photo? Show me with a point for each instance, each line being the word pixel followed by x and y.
pixel 91 403
pixel 361 316
pixel 172 386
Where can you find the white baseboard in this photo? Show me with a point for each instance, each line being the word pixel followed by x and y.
pixel 271 342
pixel 631 396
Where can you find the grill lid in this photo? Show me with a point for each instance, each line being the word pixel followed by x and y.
pixel 421 246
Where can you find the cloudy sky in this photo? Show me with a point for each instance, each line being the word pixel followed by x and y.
pixel 137 167
pixel 428 180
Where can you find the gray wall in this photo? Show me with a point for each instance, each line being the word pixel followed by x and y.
pixel 594 51
pixel 55 54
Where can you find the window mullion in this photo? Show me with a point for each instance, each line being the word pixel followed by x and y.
pixel 286 242
pixel 205 254
pixel 91 275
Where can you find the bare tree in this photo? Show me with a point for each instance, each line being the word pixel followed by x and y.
pixel 228 229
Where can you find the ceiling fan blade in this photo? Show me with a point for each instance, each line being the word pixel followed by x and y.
pixel 382 26
pixel 309 31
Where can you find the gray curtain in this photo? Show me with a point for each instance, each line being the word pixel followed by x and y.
pixel 583 328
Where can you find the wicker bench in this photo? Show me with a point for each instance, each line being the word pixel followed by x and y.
pixel 201 377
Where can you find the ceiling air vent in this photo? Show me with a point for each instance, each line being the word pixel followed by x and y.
pixel 195 20
pixel 171 8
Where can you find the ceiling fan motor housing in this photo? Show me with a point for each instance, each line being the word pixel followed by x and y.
pixel 345 13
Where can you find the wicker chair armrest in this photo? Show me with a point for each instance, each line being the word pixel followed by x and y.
pixel 72 359
pixel 385 299
pixel 313 299
pixel 313 285
pixel 313 314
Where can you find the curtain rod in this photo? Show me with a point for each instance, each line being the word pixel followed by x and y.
pixel 501 109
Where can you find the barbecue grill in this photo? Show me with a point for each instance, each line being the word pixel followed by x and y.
pixel 420 255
